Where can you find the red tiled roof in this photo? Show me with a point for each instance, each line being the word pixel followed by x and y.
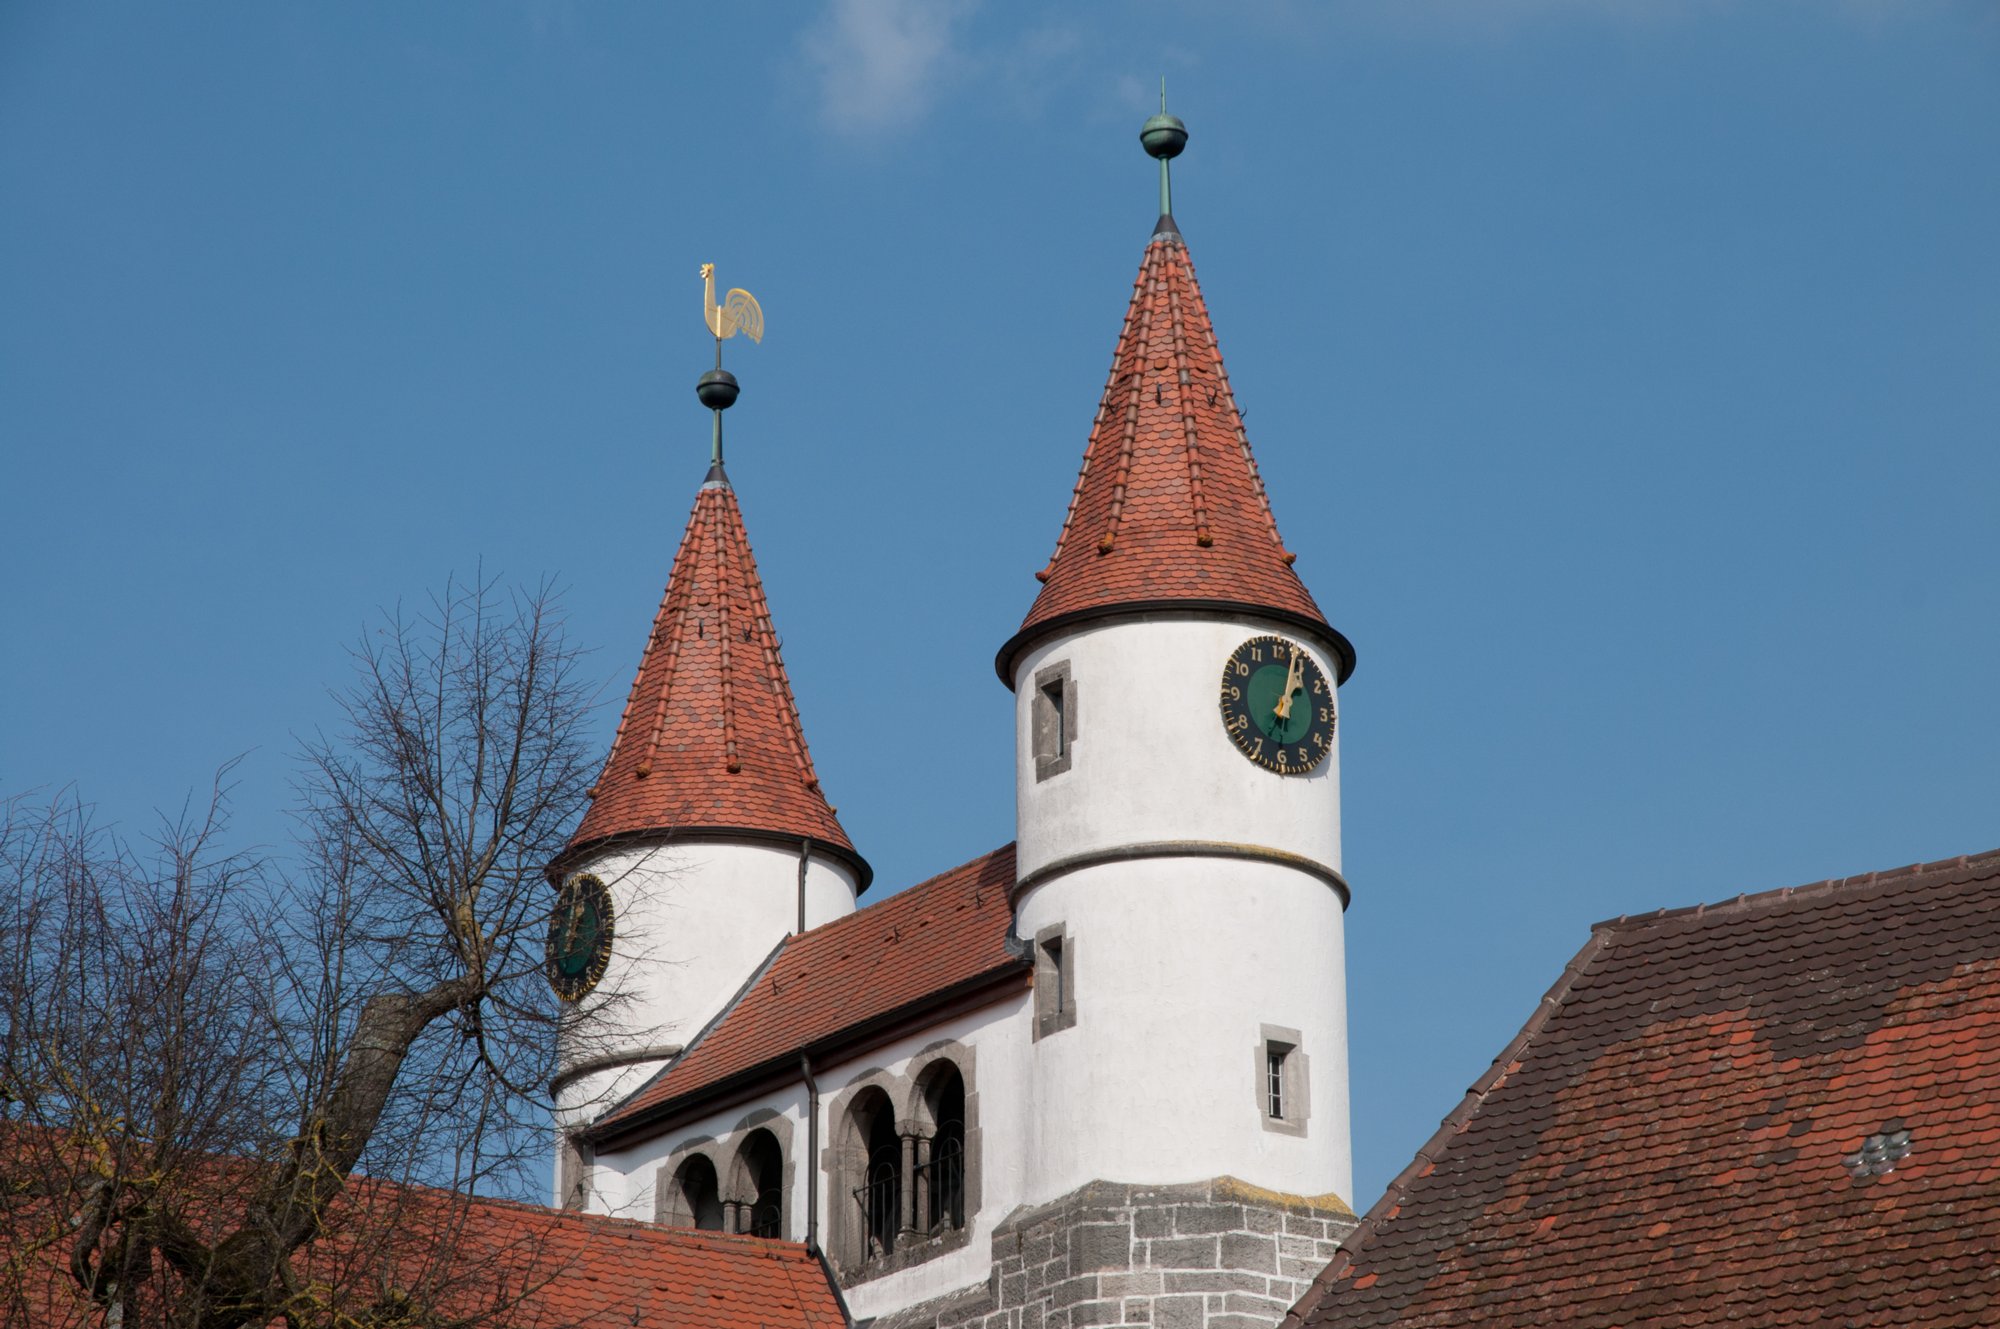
pixel 494 1261
pixel 1168 505
pixel 940 938
pixel 1679 1135
pixel 710 737
pixel 620 1272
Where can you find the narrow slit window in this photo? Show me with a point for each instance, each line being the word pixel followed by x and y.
pixel 1052 720
pixel 1055 981
pixel 1282 1080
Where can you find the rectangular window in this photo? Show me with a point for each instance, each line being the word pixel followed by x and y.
pixel 1052 701
pixel 1055 981
pixel 1052 720
pixel 1281 1080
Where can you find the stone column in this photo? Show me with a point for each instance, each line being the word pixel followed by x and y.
pixel 920 1217
pixel 908 1226
pixel 734 1216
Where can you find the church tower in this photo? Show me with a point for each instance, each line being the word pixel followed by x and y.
pixel 1178 791
pixel 708 839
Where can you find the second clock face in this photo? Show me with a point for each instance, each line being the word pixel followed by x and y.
pixel 1277 706
pixel 579 936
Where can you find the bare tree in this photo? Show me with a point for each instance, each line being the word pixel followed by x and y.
pixel 200 1050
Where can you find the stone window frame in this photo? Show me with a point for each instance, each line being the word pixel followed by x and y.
pixel 573 1167
pixel 1295 1095
pixel 843 1159
pixel 669 1202
pixel 739 1189
pixel 1054 747
pixel 732 1182
pixel 1055 981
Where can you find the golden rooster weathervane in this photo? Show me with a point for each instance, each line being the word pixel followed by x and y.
pixel 738 312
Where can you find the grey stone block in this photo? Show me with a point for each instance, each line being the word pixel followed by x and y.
pixel 1157 1222
pixel 1263 1220
pixel 1247 1250
pixel 1014 1288
pixel 1304 1226
pixel 1141 1283
pixel 1096 1246
pixel 1179 1313
pixel 1216 1281
pixel 1073 1290
pixel 1304 1270
pixel 1268 1311
pixel 1194 1219
pixel 1232 1321
pixel 1302 1248
pixel 1096 1312
pixel 1183 1253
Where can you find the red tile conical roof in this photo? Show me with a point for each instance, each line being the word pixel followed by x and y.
pixel 710 739
pixel 1168 509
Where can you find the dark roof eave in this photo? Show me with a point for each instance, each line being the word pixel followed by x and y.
pixel 864 875
pixel 1003 662
pixel 971 993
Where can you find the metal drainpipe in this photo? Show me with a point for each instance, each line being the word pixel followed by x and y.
pixel 812 1153
pixel 805 853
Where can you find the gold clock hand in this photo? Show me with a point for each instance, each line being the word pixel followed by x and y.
pixel 1283 710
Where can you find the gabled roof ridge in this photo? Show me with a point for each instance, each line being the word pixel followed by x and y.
pixel 1755 901
pixel 1450 1128
pixel 945 943
pixel 709 1026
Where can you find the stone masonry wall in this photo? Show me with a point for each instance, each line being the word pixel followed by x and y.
pixel 1212 1255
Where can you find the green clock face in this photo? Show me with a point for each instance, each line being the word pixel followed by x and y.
pixel 579 936
pixel 1277 706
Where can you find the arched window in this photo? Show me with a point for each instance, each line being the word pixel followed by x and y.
pixel 879 1152
pixel 700 1199
pixel 761 1182
pixel 943 1180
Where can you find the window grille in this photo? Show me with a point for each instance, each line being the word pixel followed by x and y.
pixel 944 1176
pixel 880 1203
pixel 1274 1082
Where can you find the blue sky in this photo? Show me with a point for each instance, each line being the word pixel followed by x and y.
pixel 1626 376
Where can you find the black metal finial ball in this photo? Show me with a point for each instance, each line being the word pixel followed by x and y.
pixel 1164 136
pixel 718 389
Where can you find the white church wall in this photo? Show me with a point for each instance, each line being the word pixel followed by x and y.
pixel 1150 761
pixel 1180 968
pixel 693 920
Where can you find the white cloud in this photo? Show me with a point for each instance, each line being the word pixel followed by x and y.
pixel 880 62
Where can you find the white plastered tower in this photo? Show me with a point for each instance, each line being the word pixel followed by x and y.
pixel 707 830
pixel 1185 901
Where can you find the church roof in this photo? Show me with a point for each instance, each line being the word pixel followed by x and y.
pixel 710 738
pixel 1168 508
pixel 845 986
pixel 456 1258
pixel 1783 1110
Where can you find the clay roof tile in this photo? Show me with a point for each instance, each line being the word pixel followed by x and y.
pixel 1168 505
pixel 710 738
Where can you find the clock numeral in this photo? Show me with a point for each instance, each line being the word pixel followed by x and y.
pixel 1326 714
pixel 1257 749
pixel 1233 693
pixel 1238 723
pixel 1242 670
pixel 1319 741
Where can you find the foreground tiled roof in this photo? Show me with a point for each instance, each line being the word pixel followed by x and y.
pixel 445 1258
pixel 941 938
pixel 710 737
pixel 1168 505
pixel 1702 1126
